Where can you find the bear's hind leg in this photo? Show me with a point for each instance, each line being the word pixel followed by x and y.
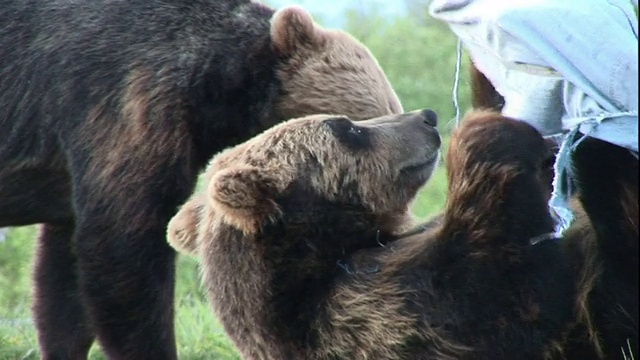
pixel 63 329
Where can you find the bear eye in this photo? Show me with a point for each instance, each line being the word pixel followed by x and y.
pixel 355 130
pixel 351 135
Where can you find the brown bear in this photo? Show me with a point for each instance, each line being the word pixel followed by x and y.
pixel 109 111
pixel 306 253
pixel 606 178
pixel 605 237
pixel 306 178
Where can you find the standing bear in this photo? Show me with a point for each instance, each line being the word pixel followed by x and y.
pixel 308 249
pixel 109 110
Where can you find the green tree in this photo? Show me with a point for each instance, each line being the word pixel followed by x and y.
pixel 419 59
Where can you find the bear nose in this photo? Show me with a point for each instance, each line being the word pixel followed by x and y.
pixel 430 117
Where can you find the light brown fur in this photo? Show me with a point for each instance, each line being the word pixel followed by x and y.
pixel 330 54
pixel 272 148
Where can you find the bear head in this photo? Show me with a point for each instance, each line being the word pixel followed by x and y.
pixel 372 167
pixel 326 71
pixel 377 165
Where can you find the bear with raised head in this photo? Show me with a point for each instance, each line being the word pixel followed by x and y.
pixel 307 254
pixel 109 111
pixel 283 209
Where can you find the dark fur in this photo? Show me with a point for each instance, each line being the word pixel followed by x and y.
pixel 331 281
pixel 107 117
pixel 602 243
pixel 276 286
pixel 108 111
pixel 607 180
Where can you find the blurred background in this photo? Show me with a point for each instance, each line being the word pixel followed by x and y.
pixel 418 55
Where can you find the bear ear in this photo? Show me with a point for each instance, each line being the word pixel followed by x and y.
pixel 182 231
pixel 244 196
pixel 291 28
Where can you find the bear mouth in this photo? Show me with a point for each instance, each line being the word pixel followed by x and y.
pixel 422 166
pixel 417 174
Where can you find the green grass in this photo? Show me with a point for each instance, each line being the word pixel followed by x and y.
pixel 197 331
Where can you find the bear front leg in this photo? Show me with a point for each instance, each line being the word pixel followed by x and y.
pixel 607 177
pixel 63 328
pixel 126 267
pixel 127 279
pixel 127 274
pixel 128 181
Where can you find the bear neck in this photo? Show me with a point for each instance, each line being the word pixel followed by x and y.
pixel 237 87
pixel 303 251
pixel 335 228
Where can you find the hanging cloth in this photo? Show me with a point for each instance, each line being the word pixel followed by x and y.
pixel 563 66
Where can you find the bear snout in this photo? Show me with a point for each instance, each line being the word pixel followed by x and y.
pixel 430 117
pixel 424 122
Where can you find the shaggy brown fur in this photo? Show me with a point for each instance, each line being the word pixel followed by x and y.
pixel 603 242
pixel 266 272
pixel 327 277
pixel 109 111
pixel 340 65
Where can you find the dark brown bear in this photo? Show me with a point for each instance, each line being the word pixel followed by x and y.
pixel 108 111
pixel 299 239
pixel 604 240
pixel 606 177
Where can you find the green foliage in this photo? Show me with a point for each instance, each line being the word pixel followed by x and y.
pixel 420 61
pixel 15 255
